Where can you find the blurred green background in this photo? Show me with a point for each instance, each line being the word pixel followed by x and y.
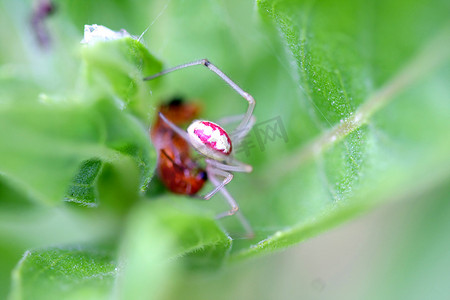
pixel 361 88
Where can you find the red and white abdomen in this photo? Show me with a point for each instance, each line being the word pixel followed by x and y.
pixel 209 139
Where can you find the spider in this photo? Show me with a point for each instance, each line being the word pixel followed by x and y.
pixel 212 142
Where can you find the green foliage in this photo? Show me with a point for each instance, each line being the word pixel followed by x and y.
pixel 83 188
pixel 367 153
pixel 361 89
pixel 70 273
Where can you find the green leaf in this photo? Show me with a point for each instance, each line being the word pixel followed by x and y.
pixel 118 67
pixel 127 137
pixel 64 273
pixel 83 188
pixel 53 147
pixel 360 88
pixel 382 122
pixel 156 233
pixel 62 135
pixel 55 139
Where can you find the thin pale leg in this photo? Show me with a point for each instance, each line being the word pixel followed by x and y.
pixel 175 128
pixel 237 166
pixel 249 233
pixel 234 210
pixel 251 102
pixel 234 206
pixel 212 172
pixel 238 136
pixel 229 119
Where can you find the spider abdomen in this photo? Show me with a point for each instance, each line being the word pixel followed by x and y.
pixel 209 139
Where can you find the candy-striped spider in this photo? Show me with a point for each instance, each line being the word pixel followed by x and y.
pixel 215 144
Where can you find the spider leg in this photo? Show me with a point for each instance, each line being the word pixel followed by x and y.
pixel 237 166
pixel 251 102
pixel 229 119
pixel 175 128
pixel 212 172
pixel 238 136
pixel 248 228
pixel 234 209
